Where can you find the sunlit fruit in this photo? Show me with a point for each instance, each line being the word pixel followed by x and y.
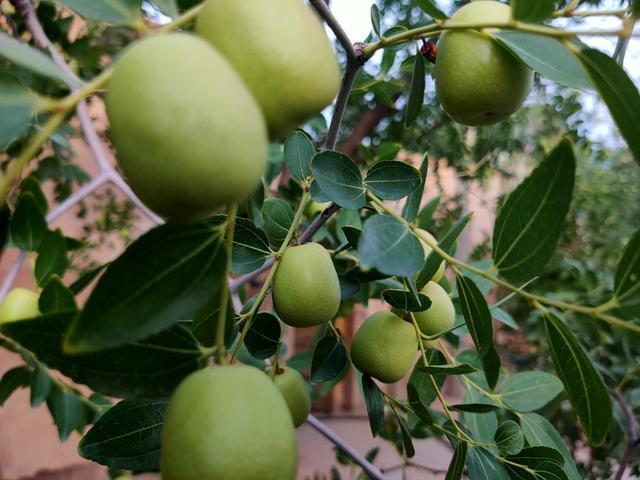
pixel 281 50
pixel 188 134
pixel 19 304
pixel 228 423
pixel 306 289
pixel 427 251
pixel 384 347
pixel 438 318
pixel 478 81
pixel 295 392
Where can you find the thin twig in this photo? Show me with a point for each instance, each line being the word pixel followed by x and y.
pixel 323 10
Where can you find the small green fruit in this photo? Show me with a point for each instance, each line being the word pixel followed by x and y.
pixel 438 318
pixel 295 392
pixel 384 347
pixel 306 289
pixel 19 304
pixel 427 251
pixel 478 81
pixel 228 423
pixel 282 52
pixel 188 134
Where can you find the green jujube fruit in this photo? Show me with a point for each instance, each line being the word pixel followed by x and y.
pixel 384 347
pixel 478 81
pixel 438 318
pixel 19 304
pixel 188 134
pixel 282 52
pixel 295 392
pixel 306 289
pixel 228 423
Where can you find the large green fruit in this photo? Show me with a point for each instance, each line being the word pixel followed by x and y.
pixel 384 347
pixel 188 134
pixel 281 50
pixel 295 392
pixel 438 318
pixel 19 304
pixel 306 289
pixel 228 423
pixel 427 251
pixel 478 81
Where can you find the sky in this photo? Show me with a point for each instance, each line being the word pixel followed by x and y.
pixel 354 15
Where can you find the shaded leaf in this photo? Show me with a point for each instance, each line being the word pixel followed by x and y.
pixel 41 386
pixel 28 225
pixel 412 206
pixel 475 407
pixel 67 410
pixel 28 57
pixel 417 405
pixel 127 436
pixel 52 257
pixel 545 462
pixel 250 247
pixel 482 465
pixel 581 380
pixel 627 280
pixel 509 438
pixel 392 180
pixel 459 369
pixel 528 391
pixel 416 91
pixel 17 107
pixel 407 442
pixel 476 314
pixel 263 338
pixel 374 401
pixel 406 301
pixel 12 380
pixel 532 10
pixel 340 179
pixel 55 297
pixel 85 280
pixel 329 360
pixel 422 381
pixel 390 247
pixel 163 278
pixel 530 222
pixel 278 217
pixel 456 467
pixel 298 153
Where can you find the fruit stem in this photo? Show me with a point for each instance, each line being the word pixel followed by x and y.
pixel 286 243
pixel 229 228
pixel 594 312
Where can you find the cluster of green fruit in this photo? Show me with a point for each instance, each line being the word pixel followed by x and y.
pixel 191 115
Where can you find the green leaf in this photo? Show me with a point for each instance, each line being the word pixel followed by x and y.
pixel 278 217
pixel 28 225
pixel 482 465
pixel 532 10
pixel 375 19
pixel 583 383
pixel 406 301
pixel 150 368
pixel 476 314
pixel 547 56
pixel 509 438
pixel 298 153
pixel 205 323
pixel 447 243
pixel 340 179
pixel 459 369
pixel 5 225
pixel 429 7
pixel 416 91
pixel 529 391
pixel 250 247
pixel 412 206
pixel 618 92
pixel 627 282
pixel 374 402
pixel 474 407
pixel 530 222
pixel 491 366
pixel 12 380
pixel 32 185
pixel 392 180
pixel 28 57
pixel 483 426
pixel 55 297
pixel 456 467
pixel 116 12
pixel 539 432
pixel 421 380
pixel 41 386
pixel 390 247
pixel 540 463
pixel 85 280
pixel 17 107
pixel 68 411
pixel 417 405
pixel 329 360
pixel 407 442
pixel 52 257
pixel 263 338
pixel 425 216
pixel 127 437
pixel 164 277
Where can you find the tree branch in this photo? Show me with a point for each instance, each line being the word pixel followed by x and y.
pixel 325 12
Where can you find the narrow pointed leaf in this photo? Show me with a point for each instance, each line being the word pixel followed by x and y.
pixel 456 467
pixel 416 92
pixel 532 10
pixel 17 107
pixel 374 401
pixel 627 282
pixel 476 314
pixel 412 206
